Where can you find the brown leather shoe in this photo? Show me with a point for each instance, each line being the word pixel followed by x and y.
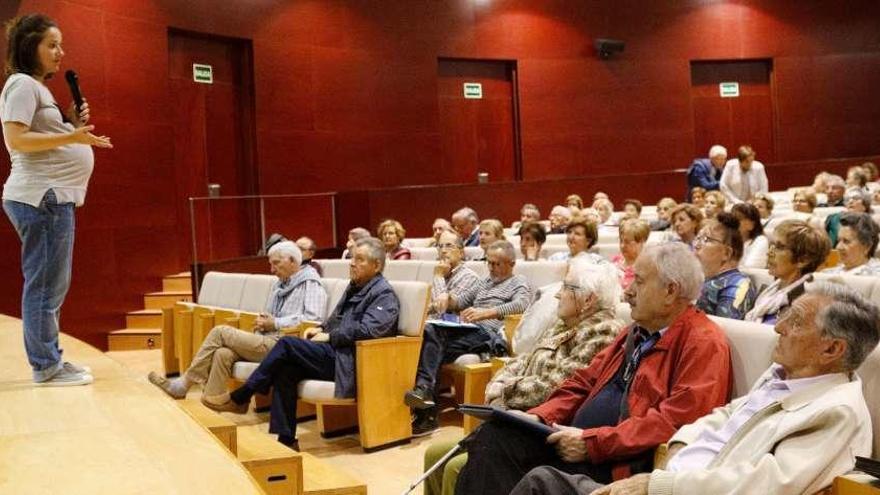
pixel 217 403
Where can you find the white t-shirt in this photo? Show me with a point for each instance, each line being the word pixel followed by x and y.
pixel 65 169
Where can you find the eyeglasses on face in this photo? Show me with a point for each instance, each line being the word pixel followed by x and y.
pixel 704 239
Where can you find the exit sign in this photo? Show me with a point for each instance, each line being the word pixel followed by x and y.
pixel 473 91
pixel 729 89
pixel 203 74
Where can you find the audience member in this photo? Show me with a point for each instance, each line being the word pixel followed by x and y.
pixel 528 213
pixel 755 243
pixel 580 236
pixel 698 197
pixel 465 222
pixel 726 291
pixel 836 188
pixel 796 251
pixel 531 238
pixel 669 368
pixel 633 234
pixel 308 248
pixel 391 233
pixel 606 211
pixel 584 325
pixel 297 296
pixel 482 308
pixel 706 172
pixel 856 201
pixel 439 226
pixel 664 207
pixel 559 218
pixel 764 203
pixel 491 230
pixel 809 399
pixel 632 209
pixel 354 235
pixel 600 195
pixel 451 276
pixel 857 244
pixel 820 184
pixel 743 177
pixel 591 215
pixel 574 203
pixel 715 204
pixel 686 222
pixel 368 309
pixel 857 177
pixel 803 201
pixel 871 171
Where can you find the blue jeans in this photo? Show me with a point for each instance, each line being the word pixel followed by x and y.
pixel 46 234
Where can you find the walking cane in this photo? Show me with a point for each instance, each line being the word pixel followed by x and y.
pixel 449 455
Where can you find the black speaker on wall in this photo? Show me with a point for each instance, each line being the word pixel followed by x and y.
pixel 605 47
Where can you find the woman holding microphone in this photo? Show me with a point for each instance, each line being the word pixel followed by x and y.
pixel 52 161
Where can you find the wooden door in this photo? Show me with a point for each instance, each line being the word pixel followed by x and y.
pixel 214 143
pixel 733 121
pixel 478 134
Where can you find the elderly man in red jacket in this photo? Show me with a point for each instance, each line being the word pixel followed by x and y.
pixel 669 368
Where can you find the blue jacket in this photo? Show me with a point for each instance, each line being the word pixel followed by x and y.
pixel 728 294
pixel 473 239
pixel 368 312
pixel 701 173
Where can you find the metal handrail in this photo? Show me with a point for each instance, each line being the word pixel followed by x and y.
pixel 262 197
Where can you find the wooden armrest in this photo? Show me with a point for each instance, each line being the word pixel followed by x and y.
pixel 855 483
pixel 300 328
pixel 510 324
pixel 660 454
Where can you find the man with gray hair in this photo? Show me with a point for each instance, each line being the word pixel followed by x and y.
pixel 809 400
pixel 309 248
pixel 477 329
pixel 670 367
pixel 706 172
pixel 368 310
pixel 835 189
pixel 466 222
pixel 559 218
pixel 295 297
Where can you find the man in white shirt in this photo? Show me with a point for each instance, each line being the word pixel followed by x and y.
pixel 797 429
pixel 743 177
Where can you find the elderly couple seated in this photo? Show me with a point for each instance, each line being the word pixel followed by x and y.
pixel 659 381
pixel 368 309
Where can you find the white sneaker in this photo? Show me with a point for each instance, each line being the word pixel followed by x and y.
pixel 67 378
pixel 73 368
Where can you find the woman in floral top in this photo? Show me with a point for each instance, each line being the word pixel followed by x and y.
pixel 633 236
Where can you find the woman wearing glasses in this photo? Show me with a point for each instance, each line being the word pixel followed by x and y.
pixel 795 253
pixel 726 291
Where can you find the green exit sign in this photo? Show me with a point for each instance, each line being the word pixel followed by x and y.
pixel 729 89
pixel 203 74
pixel 473 91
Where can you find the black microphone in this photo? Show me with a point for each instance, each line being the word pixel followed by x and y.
pixel 73 82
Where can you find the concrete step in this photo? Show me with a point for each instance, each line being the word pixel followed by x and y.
pixel 133 339
pixel 145 318
pixel 159 300
pixel 177 282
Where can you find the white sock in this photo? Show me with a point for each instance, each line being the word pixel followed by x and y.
pixel 179 386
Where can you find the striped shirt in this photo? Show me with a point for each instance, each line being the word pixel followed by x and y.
pixel 509 296
pixel 299 298
pixel 459 279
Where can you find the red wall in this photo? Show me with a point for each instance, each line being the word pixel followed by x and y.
pixel 346 99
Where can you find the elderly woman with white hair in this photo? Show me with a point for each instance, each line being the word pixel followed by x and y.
pixel 856 201
pixel 559 218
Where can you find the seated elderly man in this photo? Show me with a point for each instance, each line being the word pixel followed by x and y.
pixel 528 213
pixel 450 274
pixel 354 235
pixel 835 188
pixel 466 222
pixel 308 248
pixel 797 429
pixel 706 172
pixel 583 324
pixel 482 307
pixel 297 296
pixel 669 368
pixel 368 310
pixel 743 177
pixel 439 226
pixel 559 218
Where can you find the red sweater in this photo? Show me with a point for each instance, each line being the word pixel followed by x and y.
pixel 683 377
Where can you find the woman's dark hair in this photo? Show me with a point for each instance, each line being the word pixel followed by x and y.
pixel 729 224
pixel 23 35
pixel 749 212
pixel 535 229
pixel 864 227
